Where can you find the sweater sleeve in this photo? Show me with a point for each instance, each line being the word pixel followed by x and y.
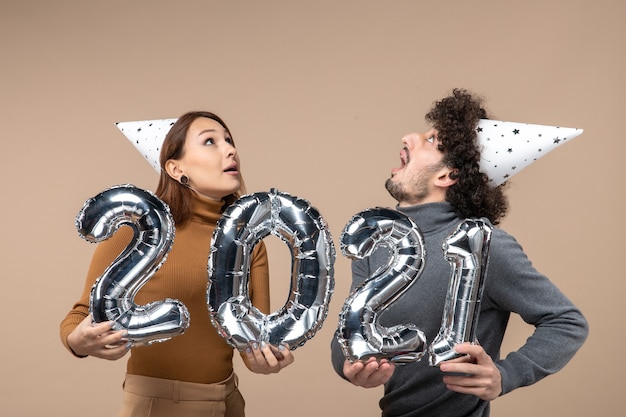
pixel 560 328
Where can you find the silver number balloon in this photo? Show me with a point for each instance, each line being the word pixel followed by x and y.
pixel 467 250
pixel 242 226
pixel 112 295
pixel 359 333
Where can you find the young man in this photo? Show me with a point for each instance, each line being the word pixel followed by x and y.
pixel 439 184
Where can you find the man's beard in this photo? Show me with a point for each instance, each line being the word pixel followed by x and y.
pixel 396 190
pixel 418 190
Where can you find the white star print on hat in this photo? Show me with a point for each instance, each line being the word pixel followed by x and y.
pixel 147 136
pixel 509 147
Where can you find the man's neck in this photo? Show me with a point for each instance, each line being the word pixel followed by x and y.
pixel 426 200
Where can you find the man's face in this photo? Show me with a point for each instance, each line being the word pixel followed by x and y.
pixel 413 182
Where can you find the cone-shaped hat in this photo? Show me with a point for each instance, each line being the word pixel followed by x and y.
pixel 509 147
pixel 147 137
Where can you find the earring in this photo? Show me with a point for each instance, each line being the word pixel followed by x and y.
pixel 184 180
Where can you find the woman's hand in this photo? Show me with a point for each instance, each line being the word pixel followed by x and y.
pixel 368 374
pixel 474 374
pixel 98 340
pixel 267 359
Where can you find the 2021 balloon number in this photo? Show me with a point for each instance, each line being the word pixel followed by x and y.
pixel 466 248
pixel 242 226
pixel 359 333
pixel 112 295
pixel 304 231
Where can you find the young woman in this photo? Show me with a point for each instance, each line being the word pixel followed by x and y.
pixel 191 374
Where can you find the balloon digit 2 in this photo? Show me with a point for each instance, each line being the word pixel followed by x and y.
pixel 112 295
pixel 359 333
pixel 242 226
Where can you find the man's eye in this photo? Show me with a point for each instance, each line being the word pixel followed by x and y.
pixel 431 139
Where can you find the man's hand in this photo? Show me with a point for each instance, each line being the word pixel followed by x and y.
pixel 479 376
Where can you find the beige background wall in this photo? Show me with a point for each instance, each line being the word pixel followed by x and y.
pixel 318 95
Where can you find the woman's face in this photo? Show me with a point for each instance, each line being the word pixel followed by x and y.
pixel 210 160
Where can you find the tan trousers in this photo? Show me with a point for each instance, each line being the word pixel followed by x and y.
pixel 156 397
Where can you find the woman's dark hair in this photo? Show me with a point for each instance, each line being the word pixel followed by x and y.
pixel 456 118
pixel 179 196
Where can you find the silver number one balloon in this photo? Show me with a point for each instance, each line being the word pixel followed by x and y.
pixel 467 250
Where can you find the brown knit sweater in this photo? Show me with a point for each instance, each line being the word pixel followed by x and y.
pixel 200 354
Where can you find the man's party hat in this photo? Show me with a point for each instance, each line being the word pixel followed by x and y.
pixel 509 147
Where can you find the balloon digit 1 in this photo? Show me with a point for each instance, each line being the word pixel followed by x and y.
pixel 112 296
pixel 467 250
pixel 359 333
pixel 242 226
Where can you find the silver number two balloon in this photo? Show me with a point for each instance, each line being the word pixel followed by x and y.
pixel 112 295
pixel 359 333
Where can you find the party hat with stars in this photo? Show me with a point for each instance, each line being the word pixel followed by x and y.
pixel 147 137
pixel 509 147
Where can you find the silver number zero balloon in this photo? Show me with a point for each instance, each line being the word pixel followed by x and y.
pixel 467 250
pixel 359 333
pixel 243 224
pixel 112 295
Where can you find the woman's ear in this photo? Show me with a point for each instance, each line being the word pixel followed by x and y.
pixel 172 168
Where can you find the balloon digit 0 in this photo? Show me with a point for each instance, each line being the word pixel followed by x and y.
pixel 359 333
pixel 242 226
pixel 112 296
pixel 467 250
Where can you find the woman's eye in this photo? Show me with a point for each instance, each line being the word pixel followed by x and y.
pixel 431 139
pixel 209 141
pixel 230 141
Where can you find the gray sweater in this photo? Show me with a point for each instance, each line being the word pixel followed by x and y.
pixel 512 284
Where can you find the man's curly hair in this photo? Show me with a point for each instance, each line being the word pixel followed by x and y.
pixel 456 118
